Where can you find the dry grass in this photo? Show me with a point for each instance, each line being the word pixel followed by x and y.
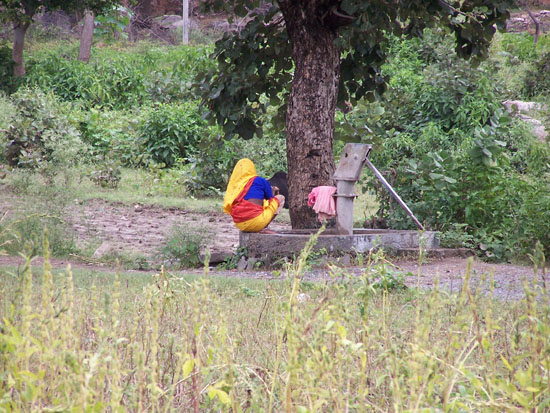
pixel 203 344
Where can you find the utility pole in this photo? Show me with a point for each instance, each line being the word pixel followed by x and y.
pixel 185 17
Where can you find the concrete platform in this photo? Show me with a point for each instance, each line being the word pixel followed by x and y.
pixel 290 243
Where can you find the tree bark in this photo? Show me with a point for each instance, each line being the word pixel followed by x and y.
pixel 311 107
pixel 537 25
pixel 87 37
pixel 19 31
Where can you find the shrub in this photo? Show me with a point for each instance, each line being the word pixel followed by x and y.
pixel 522 47
pixel 114 134
pixel 172 131
pixel 183 246
pixel 119 79
pixel 113 83
pixel 7 112
pixel 40 134
pixel 7 80
pixel 445 145
pixel 211 165
pixel 106 173
pixel 537 81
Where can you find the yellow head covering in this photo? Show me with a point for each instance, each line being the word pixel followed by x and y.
pixel 243 171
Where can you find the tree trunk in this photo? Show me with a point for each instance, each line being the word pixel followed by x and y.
pixel 87 37
pixel 537 25
pixel 19 31
pixel 311 107
pixel 185 19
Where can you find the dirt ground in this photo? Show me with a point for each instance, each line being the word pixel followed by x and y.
pixel 143 230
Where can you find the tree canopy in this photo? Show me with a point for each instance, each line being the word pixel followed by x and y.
pixel 309 57
pixel 21 12
pixel 255 65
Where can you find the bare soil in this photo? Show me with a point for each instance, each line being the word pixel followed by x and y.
pixel 143 230
pixel 522 22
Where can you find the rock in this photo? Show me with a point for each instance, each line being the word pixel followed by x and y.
pixel 241 265
pixel 217 257
pixel 138 208
pixel 167 20
pixel 104 249
pixel 522 110
pixel 538 128
pixel 515 106
pixel 345 260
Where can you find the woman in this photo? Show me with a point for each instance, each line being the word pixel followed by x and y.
pixel 249 198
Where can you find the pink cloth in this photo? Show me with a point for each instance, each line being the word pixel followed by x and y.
pixel 322 201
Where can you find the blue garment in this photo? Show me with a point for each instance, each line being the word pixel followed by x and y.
pixel 260 189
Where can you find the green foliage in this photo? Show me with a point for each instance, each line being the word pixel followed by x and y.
pixel 255 65
pixel 520 46
pixel 183 246
pixel 113 134
pixel 111 24
pixel 26 234
pixel 119 79
pixel 40 134
pixel 116 83
pixel 445 145
pixel 457 236
pixel 232 262
pixel 537 82
pixel 7 112
pixel 106 174
pixel 211 165
pixel 7 80
pixel 172 131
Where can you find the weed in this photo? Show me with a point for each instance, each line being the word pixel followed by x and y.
pixel 183 246
pixel 84 341
pixel 231 262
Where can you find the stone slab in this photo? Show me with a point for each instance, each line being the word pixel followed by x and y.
pixel 292 242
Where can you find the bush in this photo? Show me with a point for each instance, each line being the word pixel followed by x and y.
pixel 537 81
pixel 211 165
pixel 7 112
pixel 172 131
pixel 7 80
pixel 116 83
pixel 444 143
pixel 40 134
pixel 118 79
pixel 26 234
pixel 184 246
pixel 522 47
pixel 114 134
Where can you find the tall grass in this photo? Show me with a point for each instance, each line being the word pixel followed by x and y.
pixel 205 345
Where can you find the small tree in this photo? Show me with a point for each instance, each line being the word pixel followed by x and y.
pixel 309 57
pixel 21 12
